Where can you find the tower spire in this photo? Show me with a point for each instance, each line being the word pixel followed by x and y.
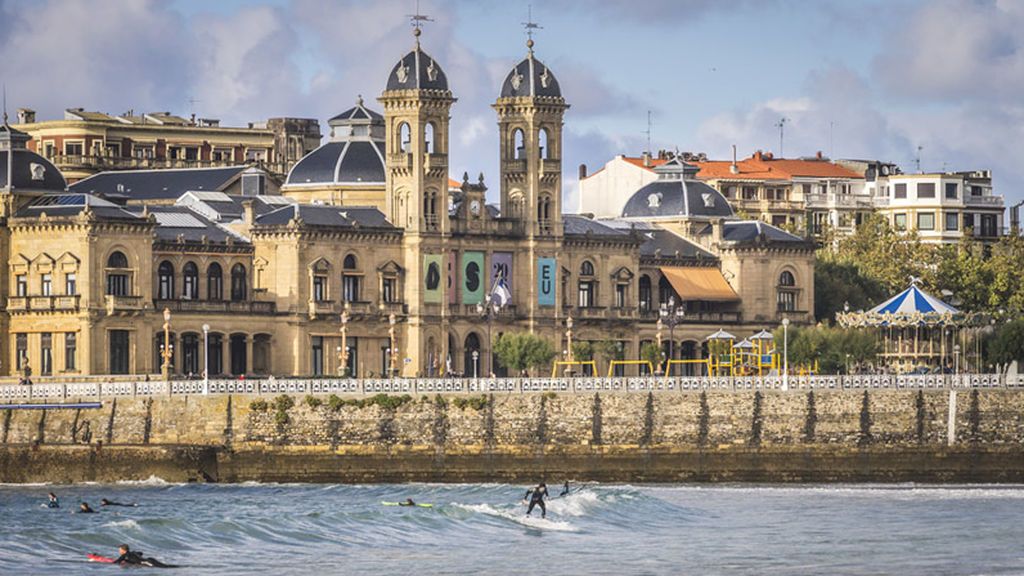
pixel 530 26
pixel 417 21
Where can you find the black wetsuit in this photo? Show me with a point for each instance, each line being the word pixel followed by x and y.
pixel 536 497
pixel 407 503
pixel 565 490
pixel 53 504
pixel 138 559
pixel 109 503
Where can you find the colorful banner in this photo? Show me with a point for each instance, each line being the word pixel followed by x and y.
pixel 432 264
pixel 501 267
pixel 452 292
pixel 546 281
pixel 473 280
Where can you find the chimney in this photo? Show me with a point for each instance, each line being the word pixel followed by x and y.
pixel 583 171
pixel 647 159
pixel 26 116
pixel 1015 218
pixel 716 230
pixel 818 155
pixel 734 168
pixel 757 155
pixel 248 214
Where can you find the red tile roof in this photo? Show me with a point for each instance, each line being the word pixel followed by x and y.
pixel 758 167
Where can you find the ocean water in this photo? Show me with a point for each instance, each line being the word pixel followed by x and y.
pixel 288 529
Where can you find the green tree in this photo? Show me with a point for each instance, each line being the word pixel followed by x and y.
pixel 881 253
pixel 582 351
pixel 839 283
pixel 521 350
pixel 1007 344
pixel 651 353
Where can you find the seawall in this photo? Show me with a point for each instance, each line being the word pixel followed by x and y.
pixel 768 436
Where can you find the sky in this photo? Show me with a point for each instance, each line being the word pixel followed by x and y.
pixel 942 80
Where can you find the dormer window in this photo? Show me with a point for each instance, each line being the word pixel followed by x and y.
pixel 709 199
pixel 654 200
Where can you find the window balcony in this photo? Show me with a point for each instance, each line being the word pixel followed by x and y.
pixel 992 201
pixel 323 308
pixel 42 303
pixel 400 160
pixel 124 304
pixel 224 306
pixel 436 162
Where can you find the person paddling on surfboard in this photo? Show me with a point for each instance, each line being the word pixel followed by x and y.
pixel 53 502
pixel 105 502
pixel 536 497
pixel 136 558
pixel 408 502
pixel 84 508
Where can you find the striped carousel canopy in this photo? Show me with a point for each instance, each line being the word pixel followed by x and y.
pixel 913 300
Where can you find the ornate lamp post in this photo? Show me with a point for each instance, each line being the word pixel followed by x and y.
pixel 343 351
pixel 167 353
pixel 568 339
pixel 673 315
pixel 476 364
pixel 394 351
pixel 206 359
pixel 487 312
pixel 657 336
pixel 785 353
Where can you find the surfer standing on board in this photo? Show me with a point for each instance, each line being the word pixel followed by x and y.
pixel 536 498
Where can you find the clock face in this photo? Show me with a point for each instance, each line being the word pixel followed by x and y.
pixel 474 207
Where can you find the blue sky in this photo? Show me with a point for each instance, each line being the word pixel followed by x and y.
pixel 883 77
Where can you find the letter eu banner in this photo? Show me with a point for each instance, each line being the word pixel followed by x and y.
pixel 432 266
pixel 473 279
pixel 546 281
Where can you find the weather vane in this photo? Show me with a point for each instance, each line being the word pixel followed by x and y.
pixel 530 26
pixel 417 21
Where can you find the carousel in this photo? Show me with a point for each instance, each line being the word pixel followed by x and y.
pixel 919 333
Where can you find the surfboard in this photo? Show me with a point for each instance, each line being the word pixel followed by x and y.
pixel 98 558
pixel 406 505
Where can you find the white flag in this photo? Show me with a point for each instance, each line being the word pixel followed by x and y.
pixel 500 294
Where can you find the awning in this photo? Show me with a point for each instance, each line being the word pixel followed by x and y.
pixel 700 283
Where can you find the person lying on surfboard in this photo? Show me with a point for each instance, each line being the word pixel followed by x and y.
pixel 136 558
pixel 84 508
pixel 105 502
pixel 408 502
pixel 536 496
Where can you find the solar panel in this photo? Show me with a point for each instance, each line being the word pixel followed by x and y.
pixel 178 220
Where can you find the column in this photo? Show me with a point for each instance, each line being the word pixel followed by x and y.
pixel 248 353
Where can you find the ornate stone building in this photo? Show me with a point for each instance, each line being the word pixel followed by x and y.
pixel 371 262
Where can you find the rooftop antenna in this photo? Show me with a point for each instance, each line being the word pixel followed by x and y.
pixel 831 142
pixel 648 132
pixel 192 105
pixel 417 21
pixel 781 125
pixel 917 160
pixel 530 26
pixel 5 103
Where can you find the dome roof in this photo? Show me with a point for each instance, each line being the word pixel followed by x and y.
pixel 530 78
pixel 417 71
pixel 351 162
pixel 356 113
pixel 28 170
pixel 676 193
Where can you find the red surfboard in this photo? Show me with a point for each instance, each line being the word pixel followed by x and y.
pixel 98 558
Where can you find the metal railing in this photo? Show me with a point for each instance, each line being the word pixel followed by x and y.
pixel 581 385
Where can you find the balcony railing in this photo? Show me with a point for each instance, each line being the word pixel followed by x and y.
pixel 832 200
pixel 983 200
pixel 323 307
pixel 400 160
pixel 514 165
pixel 723 317
pixel 436 162
pixel 227 306
pixel 42 303
pixel 550 166
pixel 124 303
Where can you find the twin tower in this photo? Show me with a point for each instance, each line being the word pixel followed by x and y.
pixel 417 103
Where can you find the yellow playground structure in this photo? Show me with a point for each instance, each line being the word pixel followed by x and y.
pixel 754 356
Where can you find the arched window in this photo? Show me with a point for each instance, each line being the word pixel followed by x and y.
pixel 117 259
pixel 165 281
pixel 349 279
pixel 238 283
pixel 518 144
pixel 787 292
pixel 214 282
pixel 428 138
pixel 190 281
pixel 404 137
pixel 117 274
pixel 587 286
pixel 544 152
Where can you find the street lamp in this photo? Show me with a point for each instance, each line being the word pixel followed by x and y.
pixel 785 353
pixel 394 352
pixel 476 363
pixel 343 349
pixel 568 339
pixel 166 352
pixel 659 326
pixel 672 315
pixel 206 359
pixel 956 362
pixel 486 311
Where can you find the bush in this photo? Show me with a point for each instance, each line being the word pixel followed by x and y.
pixel 259 405
pixel 281 418
pixel 283 403
pixel 475 402
pixel 334 402
pixel 521 350
pixel 313 402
